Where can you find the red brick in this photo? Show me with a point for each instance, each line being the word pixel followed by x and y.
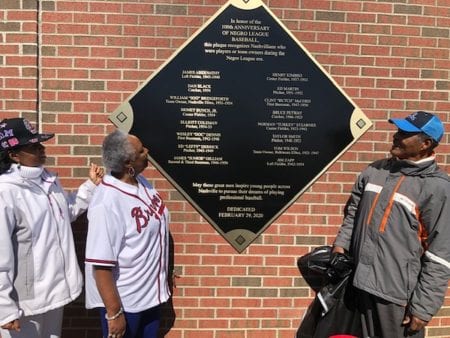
pixel 386 62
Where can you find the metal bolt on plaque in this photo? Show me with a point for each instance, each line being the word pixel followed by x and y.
pixel 242 120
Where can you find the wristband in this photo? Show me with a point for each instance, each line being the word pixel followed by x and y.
pixel 115 316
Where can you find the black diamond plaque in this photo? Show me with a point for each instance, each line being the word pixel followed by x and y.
pixel 242 120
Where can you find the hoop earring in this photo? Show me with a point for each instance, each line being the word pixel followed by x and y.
pixel 131 171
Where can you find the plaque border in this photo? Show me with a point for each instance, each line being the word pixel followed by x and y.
pixel 122 118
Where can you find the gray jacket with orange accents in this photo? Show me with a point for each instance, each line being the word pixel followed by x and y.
pixel 397 227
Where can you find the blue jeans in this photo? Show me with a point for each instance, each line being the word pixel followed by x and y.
pixel 143 324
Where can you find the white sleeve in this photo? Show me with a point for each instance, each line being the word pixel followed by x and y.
pixel 8 307
pixel 78 201
pixel 104 238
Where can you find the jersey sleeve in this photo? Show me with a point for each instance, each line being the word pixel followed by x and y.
pixel 105 236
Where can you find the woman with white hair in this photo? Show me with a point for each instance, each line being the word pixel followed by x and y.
pixel 127 251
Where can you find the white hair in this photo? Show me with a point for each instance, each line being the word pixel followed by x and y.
pixel 117 151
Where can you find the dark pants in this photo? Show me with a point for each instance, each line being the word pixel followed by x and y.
pixel 380 318
pixel 143 324
pixel 356 313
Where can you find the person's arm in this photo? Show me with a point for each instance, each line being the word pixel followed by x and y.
pixel 78 200
pixel 429 293
pixel 343 238
pixel 108 291
pixel 9 311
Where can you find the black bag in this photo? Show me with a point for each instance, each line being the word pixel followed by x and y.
pixel 321 266
pixel 314 265
pixel 342 317
pixel 334 309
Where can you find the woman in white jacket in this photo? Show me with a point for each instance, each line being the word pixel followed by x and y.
pixel 39 272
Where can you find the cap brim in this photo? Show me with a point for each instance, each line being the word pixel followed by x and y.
pixel 405 125
pixel 44 137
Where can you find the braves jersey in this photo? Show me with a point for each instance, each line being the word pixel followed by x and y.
pixel 128 231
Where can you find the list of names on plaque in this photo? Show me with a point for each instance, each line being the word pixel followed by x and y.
pixel 199 135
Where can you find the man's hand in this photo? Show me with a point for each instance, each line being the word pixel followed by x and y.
pixel 338 249
pixel 413 323
pixel 13 326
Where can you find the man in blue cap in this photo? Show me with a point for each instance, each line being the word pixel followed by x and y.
pixel 396 226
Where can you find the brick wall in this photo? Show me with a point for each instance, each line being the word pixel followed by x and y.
pixel 68 64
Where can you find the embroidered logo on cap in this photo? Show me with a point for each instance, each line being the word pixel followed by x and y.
pixel 13 141
pixel 413 116
pixel 6 133
pixel 29 127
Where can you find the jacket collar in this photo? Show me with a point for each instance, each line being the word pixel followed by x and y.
pixel 424 167
pixel 111 180
pixel 28 176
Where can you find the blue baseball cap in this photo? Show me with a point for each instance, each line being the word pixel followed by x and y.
pixel 421 121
